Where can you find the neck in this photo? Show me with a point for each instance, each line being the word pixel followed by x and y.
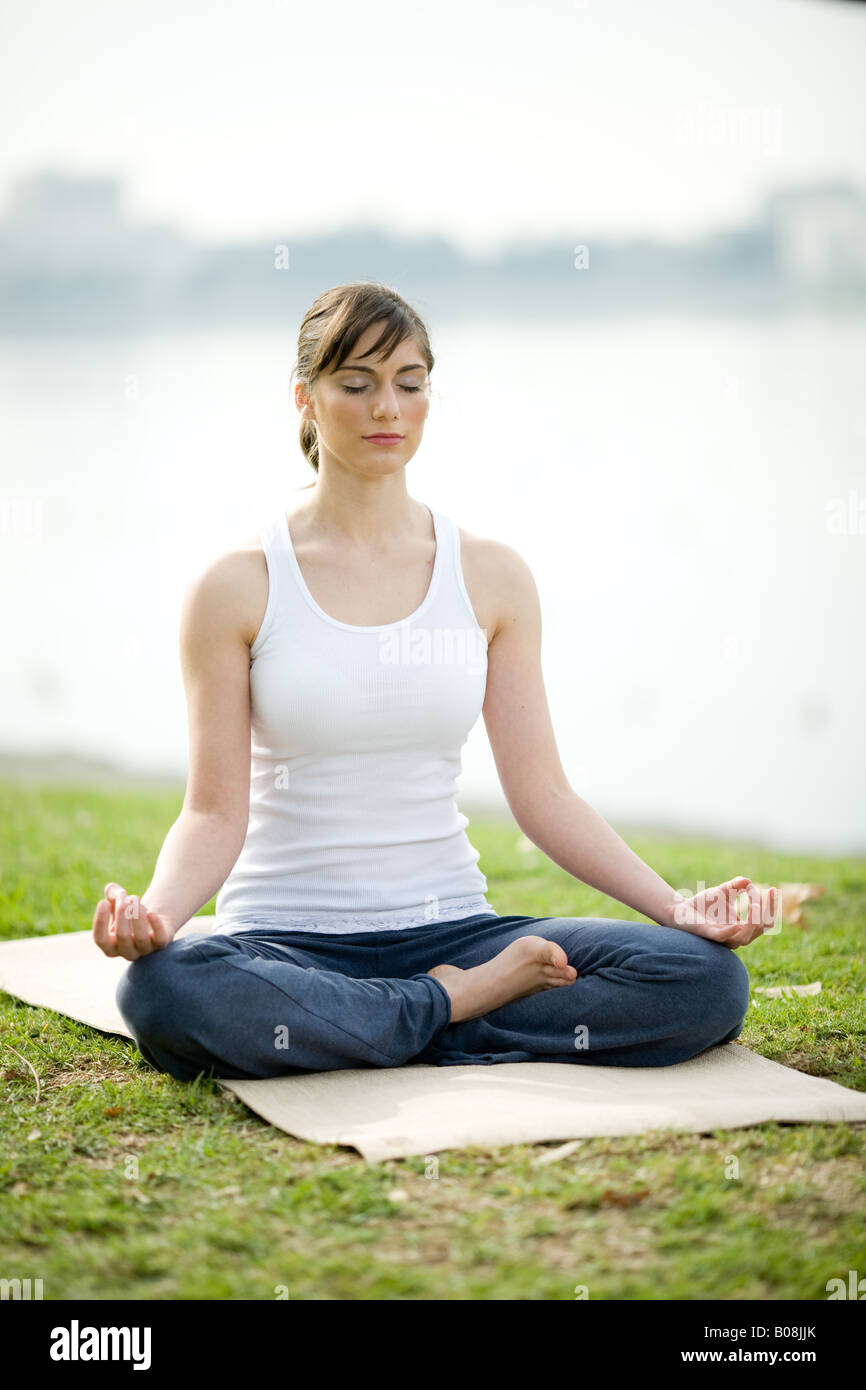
pixel 366 512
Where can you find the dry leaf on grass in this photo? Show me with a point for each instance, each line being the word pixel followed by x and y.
pixel 554 1155
pixel 787 991
pixel 793 894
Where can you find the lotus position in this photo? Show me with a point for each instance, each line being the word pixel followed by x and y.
pixel 334 666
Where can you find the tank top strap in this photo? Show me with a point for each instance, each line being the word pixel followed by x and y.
pixel 271 536
pixel 454 590
pixel 446 536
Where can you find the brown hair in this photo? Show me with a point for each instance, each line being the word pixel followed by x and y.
pixel 332 326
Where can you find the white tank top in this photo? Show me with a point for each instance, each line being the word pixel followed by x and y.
pixel 355 753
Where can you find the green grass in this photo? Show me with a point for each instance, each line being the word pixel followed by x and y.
pixel 124 1183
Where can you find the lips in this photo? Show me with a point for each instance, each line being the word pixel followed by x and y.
pixel 383 438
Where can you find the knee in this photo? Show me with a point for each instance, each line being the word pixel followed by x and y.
pixel 154 992
pixel 723 999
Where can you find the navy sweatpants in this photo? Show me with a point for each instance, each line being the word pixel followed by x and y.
pixel 267 1002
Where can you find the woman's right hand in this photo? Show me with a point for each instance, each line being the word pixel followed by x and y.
pixel 124 926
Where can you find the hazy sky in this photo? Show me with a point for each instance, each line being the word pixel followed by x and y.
pixel 489 122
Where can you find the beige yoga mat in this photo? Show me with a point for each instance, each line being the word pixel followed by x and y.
pixel 391 1112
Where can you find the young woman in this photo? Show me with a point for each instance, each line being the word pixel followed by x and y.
pixel 334 667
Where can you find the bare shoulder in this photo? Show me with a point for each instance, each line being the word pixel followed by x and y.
pixel 229 592
pixel 500 582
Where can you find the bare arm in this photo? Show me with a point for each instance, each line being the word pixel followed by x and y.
pixel 549 810
pixel 204 842
pixel 545 805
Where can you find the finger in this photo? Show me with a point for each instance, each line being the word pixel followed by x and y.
pixel 725 912
pixel 753 928
pixel 733 898
pixel 753 894
pixel 127 949
pixel 140 926
pixel 160 931
pixel 758 915
pixel 732 934
pixel 102 933
pixel 739 882
pixel 123 926
pixel 742 935
pixel 733 943
pixel 751 933
pixel 734 931
pixel 112 891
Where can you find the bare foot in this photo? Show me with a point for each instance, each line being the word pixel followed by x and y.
pixel 529 965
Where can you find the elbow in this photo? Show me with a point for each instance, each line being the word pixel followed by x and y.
pixel 228 824
pixel 534 810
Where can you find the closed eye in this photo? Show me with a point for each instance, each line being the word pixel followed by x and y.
pixel 355 390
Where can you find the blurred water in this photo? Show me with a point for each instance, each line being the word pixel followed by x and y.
pixel 670 483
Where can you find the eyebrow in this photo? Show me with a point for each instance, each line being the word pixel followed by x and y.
pixel 414 367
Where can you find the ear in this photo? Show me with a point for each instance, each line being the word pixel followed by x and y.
pixel 303 403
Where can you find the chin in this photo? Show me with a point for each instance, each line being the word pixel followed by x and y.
pixel 386 460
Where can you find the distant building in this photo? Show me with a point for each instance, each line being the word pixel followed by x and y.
pixel 820 234
pixel 60 225
pixel 72 257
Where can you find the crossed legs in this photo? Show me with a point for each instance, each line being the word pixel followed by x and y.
pixel 266 1003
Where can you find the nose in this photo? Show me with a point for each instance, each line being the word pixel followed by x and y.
pixel 386 405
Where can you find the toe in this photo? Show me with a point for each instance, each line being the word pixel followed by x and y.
pixel 556 955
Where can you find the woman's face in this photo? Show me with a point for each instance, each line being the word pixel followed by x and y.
pixel 365 398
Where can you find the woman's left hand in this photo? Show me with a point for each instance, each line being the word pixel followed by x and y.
pixel 713 912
